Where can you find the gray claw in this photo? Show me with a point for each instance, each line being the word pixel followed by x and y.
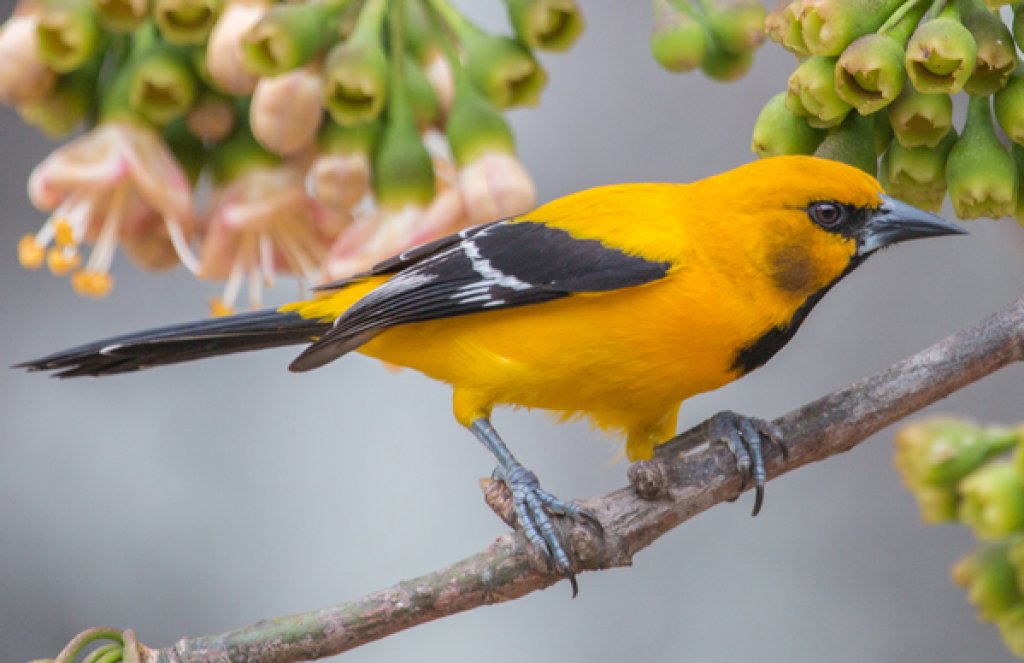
pixel 745 438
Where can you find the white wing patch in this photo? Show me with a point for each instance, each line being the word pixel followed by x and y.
pixel 490 276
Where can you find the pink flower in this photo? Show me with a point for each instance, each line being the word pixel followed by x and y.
pixel 495 186
pixel 223 50
pixel 285 115
pixel 24 78
pixel 261 224
pixel 117 183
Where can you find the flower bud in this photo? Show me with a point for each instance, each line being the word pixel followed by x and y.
pixel 869 73
pixel 212 117
pixel 996 55
pixel 162 86
pixel 851 142
pixel 736 25
pixel 495 186
pixel 917 175
pixel 355 74
pixel 812 88
pixel 288 36
pixel 980 173
pixel 940 56
pixel 678 38
pixel 990 579
pixel 24 77
pixel 721 65
pixel 1009 107
pixel 340 175
pixel 552 25
pixel 1018 24
pixel 941 451
pixel 1017 152
pixel 778 131
pixel 424 103
pixel 502 68
pixel 1011 629
pixel 992 501
pixel 829 26
pixel 285 115
pixel 224 48
pixel 186 21
pixel 920 119
pixel 120 16
pixel 783 27
pixel 68 34
pixel 402 170
pixel 67 105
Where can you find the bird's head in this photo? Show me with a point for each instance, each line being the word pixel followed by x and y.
pixel 808 221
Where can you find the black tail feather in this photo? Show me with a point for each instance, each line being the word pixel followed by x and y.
pixel 183 342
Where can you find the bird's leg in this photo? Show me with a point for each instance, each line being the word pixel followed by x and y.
pixel 746 437
pixel 532 504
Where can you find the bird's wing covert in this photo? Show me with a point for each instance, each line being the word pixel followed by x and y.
pixel 500 265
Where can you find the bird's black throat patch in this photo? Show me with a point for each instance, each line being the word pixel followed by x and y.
pixel 757 353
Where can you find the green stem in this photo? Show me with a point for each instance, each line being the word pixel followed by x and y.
pixel 934 10
pixel 898 16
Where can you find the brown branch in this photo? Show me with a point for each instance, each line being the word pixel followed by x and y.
pixel 687 476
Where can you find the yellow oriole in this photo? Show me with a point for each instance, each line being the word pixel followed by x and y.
pixel 616 302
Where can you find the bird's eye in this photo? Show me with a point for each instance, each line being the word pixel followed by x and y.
pixel 827 213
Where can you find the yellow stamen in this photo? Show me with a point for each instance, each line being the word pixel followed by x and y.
pixel 218 309
pixel 91 283
pixel 61 261
pixel 63 234
pixel 30 252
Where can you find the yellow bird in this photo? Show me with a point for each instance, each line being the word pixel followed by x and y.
pixel 616 303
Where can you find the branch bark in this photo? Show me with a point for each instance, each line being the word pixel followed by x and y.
pixel 687 476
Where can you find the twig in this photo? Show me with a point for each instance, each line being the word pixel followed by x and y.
pixel 687 476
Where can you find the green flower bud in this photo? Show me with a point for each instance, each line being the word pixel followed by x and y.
pixel 851 142
pixel 474 126
pixel 115 101
pixel 996 55
pixel 980 173
pixel 506 71
pixel 940 56
pixel 1017 152
pixel 783 27
pixel 869 73
pixel 829 26
pixel 990 579
pixel 240 153
pixel 678 39
pixel 812 91
pixel 68 34
pixel 992 501
pixel 66 106
pixel 422 98
pixel 917 175
pixel 288 36
pixel 1011 629
pixel 403 173
pixel 883 133
pixel 356 71
pixel 163 86
pixel 737 25
pixel 942 451
pixel 1009 107
pixel 1018 23
pixel 120 16
pixel 778 131
pixel 549 24
pixel 920 119
pixel 722 65
pixel 186 21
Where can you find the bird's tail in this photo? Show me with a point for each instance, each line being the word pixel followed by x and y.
pixel 182 342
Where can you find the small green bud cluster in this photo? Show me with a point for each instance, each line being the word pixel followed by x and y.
pixel 900 62
pixel 718 36
pixel 350 92
pixel 962 472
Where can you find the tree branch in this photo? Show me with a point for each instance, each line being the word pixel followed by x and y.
pixel 687 476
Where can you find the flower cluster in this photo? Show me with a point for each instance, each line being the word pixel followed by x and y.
pixel 246 139
pixel 961 472
pixel 873 88
pixel 719 36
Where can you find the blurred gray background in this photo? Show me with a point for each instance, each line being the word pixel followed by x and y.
pixel 203 497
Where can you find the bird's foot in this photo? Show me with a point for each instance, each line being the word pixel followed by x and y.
pixel 533 508
pixel 746 438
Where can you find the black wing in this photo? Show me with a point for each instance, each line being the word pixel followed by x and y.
pixel 500 265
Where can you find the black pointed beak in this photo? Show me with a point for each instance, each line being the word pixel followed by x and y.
pixel 896 221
